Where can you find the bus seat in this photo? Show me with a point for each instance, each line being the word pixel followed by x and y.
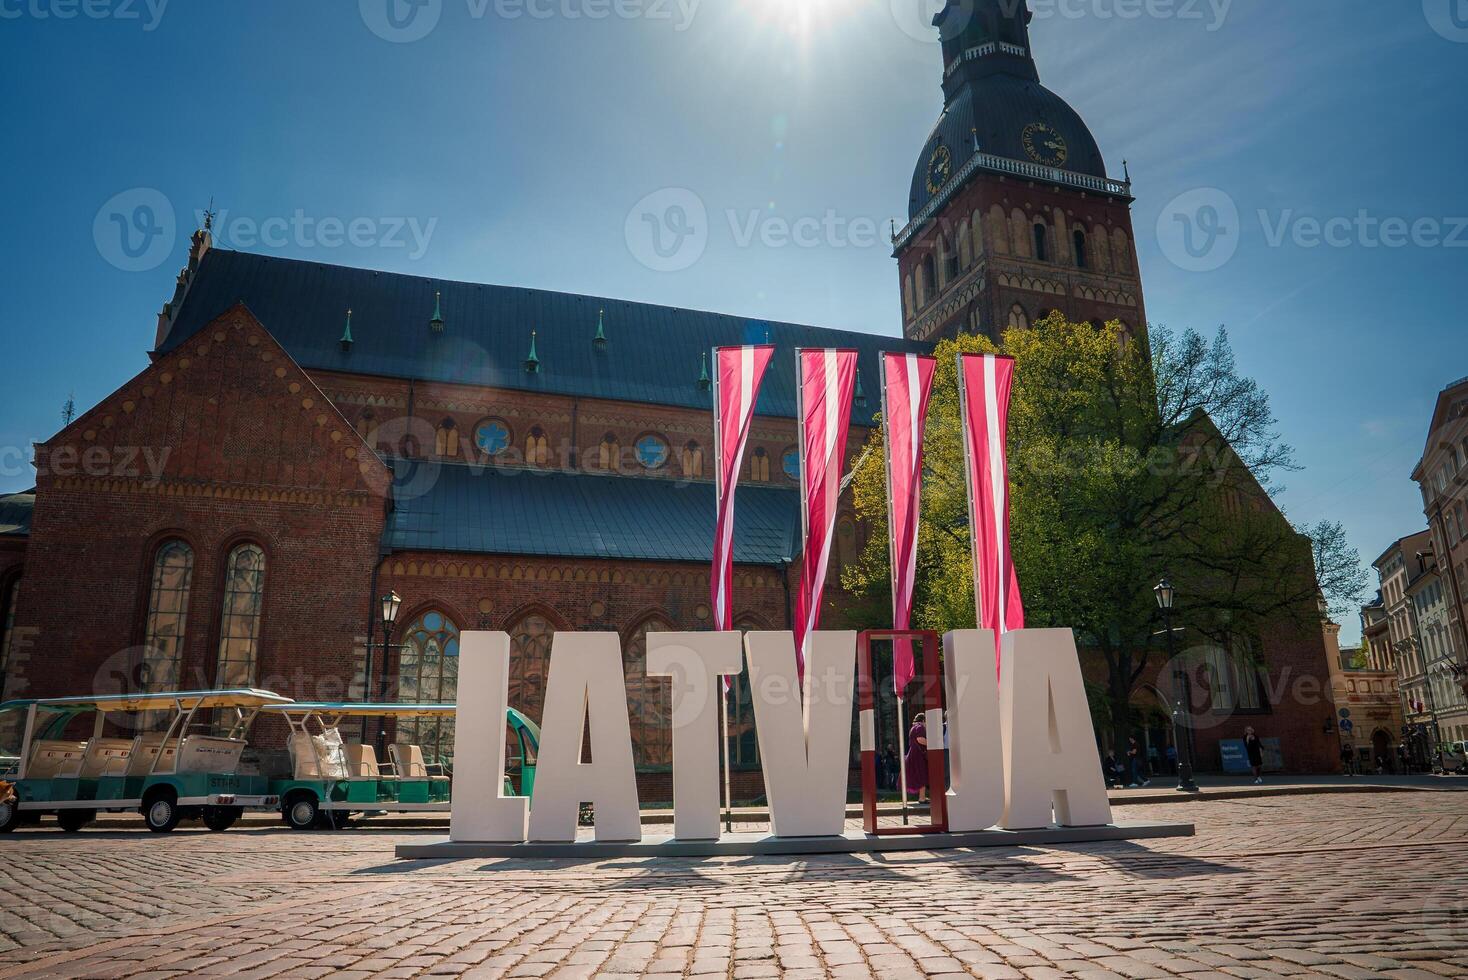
pixel 145 750
pixel 105 756
pixel 408 762
pixel 50 759
pixel 362 762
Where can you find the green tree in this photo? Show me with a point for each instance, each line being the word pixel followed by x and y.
pixel 1126 464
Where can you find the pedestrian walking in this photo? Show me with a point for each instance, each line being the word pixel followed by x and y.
pixel 1136 763
pixel 917 759
pixel 1255 750
pixel 1348 760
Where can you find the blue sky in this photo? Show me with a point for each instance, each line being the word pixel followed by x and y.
pixel 511 143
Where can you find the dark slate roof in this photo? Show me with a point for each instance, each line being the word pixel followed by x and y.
pixel 496 510
pixel 15 514
pixel 999 107
pixel 653 353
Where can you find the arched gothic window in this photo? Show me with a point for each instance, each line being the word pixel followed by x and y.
pixel 927 280
pixel 428 673
pixel 239 627
pixel 537 448
pixel 692 460
pixel 759 466
pixel 1018 319
pixel 446 441
pixel 1042 253
pixel 1080 248
pixel 609 454
pixel 530 649
pixel 168 615
pixel 648 704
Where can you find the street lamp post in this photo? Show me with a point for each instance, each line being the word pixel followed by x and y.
pixel 391 603
pixel 1165 595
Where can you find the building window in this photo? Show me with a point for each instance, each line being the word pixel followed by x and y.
pixel 692 460
pixel 950 262
pixel 168 614
pixel 653 452
pixel 1233 681
pixel 1041 242
pixel 537 448
pixel 492 436
pixel 609 453
pixel 530 649
pixel 428 673
pixel 1080 246
pixel 367 428
pixel 239 629
pixel 790 463
pixel 647 701
pixel 446 440
pixel 11 596
pixel 1018 319
pixel 927 280
pixel 759 466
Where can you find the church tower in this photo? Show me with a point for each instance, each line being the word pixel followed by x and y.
pixel 1011 214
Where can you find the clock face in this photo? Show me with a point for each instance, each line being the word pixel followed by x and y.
pixel 940 168
pixel 1045 145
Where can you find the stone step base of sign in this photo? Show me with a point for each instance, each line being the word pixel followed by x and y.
pixel 744 845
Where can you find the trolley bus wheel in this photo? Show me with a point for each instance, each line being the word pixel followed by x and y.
pixel 9 816
pixel 160 812
pixel 72 821
pixel 302 811
pixel 221 818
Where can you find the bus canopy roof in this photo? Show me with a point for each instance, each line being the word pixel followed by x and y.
pixel 188 700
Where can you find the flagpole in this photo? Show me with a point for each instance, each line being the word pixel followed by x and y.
pixel 902 757
pixel 722 614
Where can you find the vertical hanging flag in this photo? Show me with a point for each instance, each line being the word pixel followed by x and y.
pixel 984 385
pixel 826 379
pixel 737 375
pixel 907 381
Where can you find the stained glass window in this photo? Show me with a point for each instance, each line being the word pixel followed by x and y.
pixel 168 614
pixel 492 436
pixel 790 462
pixel 652 452
pixel 428 673
pixel 239 628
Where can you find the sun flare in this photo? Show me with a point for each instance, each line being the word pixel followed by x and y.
pixel 800 18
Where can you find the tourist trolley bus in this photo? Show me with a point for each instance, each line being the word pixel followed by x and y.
pixel 332 778
pixel 169 756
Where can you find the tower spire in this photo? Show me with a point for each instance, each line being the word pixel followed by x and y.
pixel 600 340
pixel 436 324
pixel 532 363
pixel 347 340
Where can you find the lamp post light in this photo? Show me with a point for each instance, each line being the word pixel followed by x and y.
pixel 391 603
pixel 1166 594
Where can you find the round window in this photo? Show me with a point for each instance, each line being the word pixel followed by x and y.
pixel 492 437
pixel 652 452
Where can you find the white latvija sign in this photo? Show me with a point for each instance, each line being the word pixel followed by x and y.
pixel 1022 752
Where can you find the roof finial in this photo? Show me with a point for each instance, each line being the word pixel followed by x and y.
pixel 600 340
pixel 1126 171
pixel 209 215
pixel 436 324
pixel 974 132
pixel 532 363
pixel 347 334
pixel 704 381
pixel 861 395
pixel 894 230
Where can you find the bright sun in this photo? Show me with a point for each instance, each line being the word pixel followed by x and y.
pixel 801 18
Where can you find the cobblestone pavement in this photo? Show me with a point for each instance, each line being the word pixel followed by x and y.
pixel 1346 885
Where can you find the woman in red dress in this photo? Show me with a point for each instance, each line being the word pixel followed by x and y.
pixel 917 759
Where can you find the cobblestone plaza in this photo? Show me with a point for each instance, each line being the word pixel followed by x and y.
pixel 1340 885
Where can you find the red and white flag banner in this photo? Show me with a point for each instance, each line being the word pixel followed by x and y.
pixel 984 385
pixel 826 379
pixel 907 382
pixel 737 375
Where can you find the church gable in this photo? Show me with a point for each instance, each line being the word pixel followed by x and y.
pixel 229 411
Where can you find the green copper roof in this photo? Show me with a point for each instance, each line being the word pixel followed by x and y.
pixel 15 514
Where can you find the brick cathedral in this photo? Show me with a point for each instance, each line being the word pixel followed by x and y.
pixel 308 437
